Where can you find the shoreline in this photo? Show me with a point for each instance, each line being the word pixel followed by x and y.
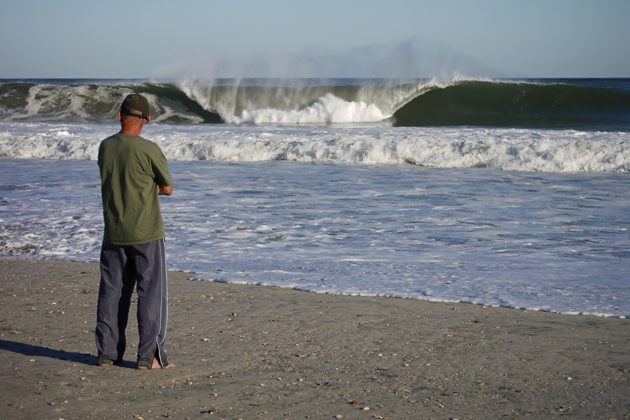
pixel 193 276
pixel 245 351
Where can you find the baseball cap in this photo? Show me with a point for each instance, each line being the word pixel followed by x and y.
pixel 136 105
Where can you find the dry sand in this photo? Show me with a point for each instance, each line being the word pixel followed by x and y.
pixel 251 352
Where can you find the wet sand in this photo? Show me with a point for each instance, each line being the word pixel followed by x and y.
pixel 252 352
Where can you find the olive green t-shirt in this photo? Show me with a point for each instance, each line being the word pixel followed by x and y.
pixel 131 170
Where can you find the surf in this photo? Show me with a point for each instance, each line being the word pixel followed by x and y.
pixel 580 104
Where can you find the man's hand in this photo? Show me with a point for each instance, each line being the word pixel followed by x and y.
pixel 162 190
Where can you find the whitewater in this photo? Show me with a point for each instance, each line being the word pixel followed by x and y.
pixel 463 147
pixel 331 194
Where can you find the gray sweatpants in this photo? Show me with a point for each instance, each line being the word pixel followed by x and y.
pixel 123 267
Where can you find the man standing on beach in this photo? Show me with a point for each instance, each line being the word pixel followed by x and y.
pixel 134 172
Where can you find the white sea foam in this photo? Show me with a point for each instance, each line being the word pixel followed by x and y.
pixel 541 241
pixel 328 109
pixel 506 149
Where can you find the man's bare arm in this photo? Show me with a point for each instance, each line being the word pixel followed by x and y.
pixel 162 190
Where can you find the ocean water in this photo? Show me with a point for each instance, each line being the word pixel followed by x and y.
pixel 505 193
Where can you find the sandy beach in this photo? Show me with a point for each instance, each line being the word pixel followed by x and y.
pixel 252 352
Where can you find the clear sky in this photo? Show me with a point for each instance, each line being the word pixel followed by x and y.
pixel 327 38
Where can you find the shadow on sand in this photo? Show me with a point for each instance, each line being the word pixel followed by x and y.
pixel 39 351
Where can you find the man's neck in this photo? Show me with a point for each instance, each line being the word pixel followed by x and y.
pixel 131 130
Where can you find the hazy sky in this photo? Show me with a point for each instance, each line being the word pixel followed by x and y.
pixel 327 38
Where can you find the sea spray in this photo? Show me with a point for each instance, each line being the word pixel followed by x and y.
pixel 305 101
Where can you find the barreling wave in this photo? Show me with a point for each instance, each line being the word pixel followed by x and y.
pixel 596 104
pixel 559 105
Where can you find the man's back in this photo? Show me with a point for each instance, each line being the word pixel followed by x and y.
pixel 131 170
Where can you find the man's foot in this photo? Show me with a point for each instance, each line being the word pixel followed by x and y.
pixel 144 364
pixel 156 365
pixel 106 361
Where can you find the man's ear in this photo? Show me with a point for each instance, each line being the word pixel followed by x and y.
pixel 119 116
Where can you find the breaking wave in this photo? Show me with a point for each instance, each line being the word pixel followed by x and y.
pixel 461 147
pixel 588 104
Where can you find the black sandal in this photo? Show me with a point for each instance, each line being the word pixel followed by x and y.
pixel 144 364
pixel 104 361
